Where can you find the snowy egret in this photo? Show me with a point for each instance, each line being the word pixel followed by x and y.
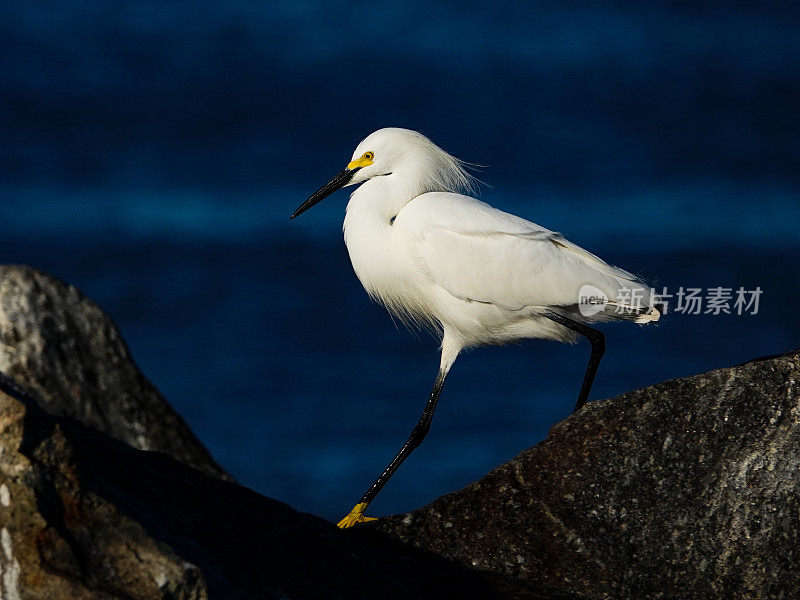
pixel 436 258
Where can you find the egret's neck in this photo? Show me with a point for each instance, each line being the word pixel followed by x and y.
pixel 369 224
pixel 384 196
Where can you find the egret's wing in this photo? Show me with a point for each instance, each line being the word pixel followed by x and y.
pixel 509 270
pixel 479 253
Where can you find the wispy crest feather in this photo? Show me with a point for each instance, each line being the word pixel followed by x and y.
pixel 444 172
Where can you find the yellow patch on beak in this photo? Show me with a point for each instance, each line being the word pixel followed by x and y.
pixel 364 161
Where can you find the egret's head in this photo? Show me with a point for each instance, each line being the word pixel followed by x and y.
pixel 423 165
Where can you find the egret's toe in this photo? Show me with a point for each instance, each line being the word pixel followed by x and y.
pixel 355 516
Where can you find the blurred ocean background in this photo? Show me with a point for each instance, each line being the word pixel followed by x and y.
pixel 152 153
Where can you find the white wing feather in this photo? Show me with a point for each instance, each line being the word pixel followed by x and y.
pixel 482 254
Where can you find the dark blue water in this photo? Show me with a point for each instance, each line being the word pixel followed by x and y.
pixel 151 156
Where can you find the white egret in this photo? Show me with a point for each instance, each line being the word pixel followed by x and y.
pixel 439 259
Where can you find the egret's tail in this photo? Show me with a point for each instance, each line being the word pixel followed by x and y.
pixel 608 293
pixel 613 294
pixel 654 314
pixel 638 314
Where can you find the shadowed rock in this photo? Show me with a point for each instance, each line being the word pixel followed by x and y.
pixel 62 347
pixel 87 517
pixel 686 489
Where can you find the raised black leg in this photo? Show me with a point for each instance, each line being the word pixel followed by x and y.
pixel 598 342
pixel 415 439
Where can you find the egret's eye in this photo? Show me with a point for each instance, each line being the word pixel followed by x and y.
pixel 369 155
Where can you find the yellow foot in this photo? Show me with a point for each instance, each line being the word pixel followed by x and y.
pixel 356 516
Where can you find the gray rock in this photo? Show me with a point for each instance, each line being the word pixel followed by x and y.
pixel 686 489
pixel 63 348
pixel 84 516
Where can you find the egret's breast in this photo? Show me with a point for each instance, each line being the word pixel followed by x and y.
pixel 379 250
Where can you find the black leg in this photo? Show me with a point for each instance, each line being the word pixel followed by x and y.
pixel 415 439
pixel 598 342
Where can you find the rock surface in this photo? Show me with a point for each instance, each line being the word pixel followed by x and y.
pixel 63 348
pixel 85 516
pixel 686 489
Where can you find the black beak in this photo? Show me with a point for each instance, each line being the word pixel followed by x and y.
pixel 337 183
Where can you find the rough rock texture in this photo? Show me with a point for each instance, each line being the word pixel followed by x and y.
pixel 686 489
pixel 62 347
pixel 84 516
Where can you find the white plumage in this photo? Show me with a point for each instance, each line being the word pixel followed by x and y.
pixel 436 258
pixel 475 273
